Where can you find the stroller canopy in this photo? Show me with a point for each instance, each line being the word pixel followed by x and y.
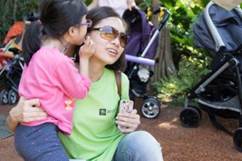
pixel 140 33
pixel 219 30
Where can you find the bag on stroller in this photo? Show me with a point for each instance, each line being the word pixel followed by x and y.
pixel 11 65
pixel 220 92
pixel 140 53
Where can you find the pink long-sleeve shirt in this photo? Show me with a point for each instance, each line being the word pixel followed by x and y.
pixel 52 78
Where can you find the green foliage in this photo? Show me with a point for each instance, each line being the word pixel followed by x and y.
pixel 144 4
pixel 87 2
pixel 191 69
pixel 12 10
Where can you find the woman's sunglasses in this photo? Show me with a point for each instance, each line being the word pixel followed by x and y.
pixel 109 33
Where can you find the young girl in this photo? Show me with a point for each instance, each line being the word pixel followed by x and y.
pixel 52 77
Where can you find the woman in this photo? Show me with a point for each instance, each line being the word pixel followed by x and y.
pixel 96 136
pixel 62 23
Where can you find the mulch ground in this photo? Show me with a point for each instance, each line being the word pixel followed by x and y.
pixel 204 143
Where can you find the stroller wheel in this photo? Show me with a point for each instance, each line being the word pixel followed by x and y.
pixel 4 97
pixel 12 97
pixel 150 108
pixel 199 111
pixel 190 117
pixel 238 139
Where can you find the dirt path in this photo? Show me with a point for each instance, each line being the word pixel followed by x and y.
pixel 204 143
pixel 179 144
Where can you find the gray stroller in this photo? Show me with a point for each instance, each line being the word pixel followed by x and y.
pixel 220 93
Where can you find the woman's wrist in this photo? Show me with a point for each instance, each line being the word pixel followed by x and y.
pixel 12 121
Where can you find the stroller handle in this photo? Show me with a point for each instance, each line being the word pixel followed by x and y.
pixel 166 15
pixel 214 32
pixel 140 60
pixel 212 28
pixel 165 18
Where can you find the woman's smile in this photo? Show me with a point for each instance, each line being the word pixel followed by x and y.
pixel 112 52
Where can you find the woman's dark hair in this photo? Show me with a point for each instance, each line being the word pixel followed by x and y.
pixel 98 14
pixel 56 17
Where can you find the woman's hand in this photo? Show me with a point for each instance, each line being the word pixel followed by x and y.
pixel 128 121
pixel 25 111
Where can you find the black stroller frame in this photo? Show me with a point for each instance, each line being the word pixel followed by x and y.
pixel 230 96
pixel 10 76
pixel 151 105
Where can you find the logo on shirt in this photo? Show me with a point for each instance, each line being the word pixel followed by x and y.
pixel 102 112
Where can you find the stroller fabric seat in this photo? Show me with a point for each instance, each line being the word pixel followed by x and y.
pixel 228 25
pixel 140 33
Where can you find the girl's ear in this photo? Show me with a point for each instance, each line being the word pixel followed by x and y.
pixel 72 31
pixel 68 36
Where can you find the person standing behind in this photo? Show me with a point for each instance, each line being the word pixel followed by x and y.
pixel 228 4
pixel 52 77
pixel 118 5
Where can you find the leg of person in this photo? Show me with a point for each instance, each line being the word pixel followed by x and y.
pixel 138 146
pixel 39 143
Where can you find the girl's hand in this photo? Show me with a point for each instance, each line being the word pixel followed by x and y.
pixel 26 111
pixel 129 121
pixel 87 50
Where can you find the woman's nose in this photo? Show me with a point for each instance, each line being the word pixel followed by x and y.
pixel 116 41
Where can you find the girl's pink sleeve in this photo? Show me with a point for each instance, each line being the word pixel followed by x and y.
pixel 73 84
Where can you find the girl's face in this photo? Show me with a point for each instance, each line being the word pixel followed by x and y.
pixel 109 40
pixel 79 32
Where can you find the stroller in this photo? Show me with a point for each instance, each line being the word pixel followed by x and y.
pixel 11 60
pixel 140 53
pixel 220 92
pixel 11 66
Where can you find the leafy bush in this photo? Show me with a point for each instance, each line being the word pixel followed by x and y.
pixel 12 10
pixel 191 69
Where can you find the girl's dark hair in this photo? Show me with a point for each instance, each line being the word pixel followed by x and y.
pixel 98 14
pixel 56 17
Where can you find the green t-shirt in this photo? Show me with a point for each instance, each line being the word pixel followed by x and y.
pixel 95 135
